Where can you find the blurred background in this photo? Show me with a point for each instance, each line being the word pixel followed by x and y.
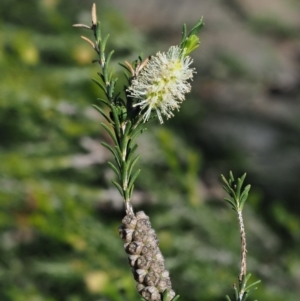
pixel 59 213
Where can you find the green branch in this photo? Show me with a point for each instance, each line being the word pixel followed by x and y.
pixel 237 198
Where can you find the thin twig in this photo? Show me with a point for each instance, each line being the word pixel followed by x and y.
pixel 243 246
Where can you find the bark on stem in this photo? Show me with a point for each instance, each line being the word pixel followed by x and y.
pixel 243 246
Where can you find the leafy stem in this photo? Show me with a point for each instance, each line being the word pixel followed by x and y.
pixel 237 198
pixel 124 126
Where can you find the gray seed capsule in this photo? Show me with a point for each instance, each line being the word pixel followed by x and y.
pixel 145 258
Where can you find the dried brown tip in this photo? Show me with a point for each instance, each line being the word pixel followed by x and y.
pixel 130 68
pixel 89 41
pixel 81 26
pixel 94 15
pixel 142 65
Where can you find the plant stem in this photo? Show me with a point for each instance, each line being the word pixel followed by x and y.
pixel 243 246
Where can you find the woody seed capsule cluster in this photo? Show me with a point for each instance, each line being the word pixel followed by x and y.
pixel 145 258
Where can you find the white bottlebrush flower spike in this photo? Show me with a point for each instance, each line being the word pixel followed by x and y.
pixel 161 85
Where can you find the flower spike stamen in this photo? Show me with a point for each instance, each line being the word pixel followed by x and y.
pixel 161 83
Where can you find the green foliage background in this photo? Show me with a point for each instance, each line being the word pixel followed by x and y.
pixel 59 213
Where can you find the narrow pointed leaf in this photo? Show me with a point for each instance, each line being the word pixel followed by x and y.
pixel 103 44
pixel 103 88
pixel 137 130
pixel 130 153
pixel 231 176
pixel 125 67
pixel 231 202
pixel 115 169
pixel 101 76
pixel 176 298
pixel 119 188
pixel 247 277
pixel 102 113
pixel 242 285
pixel 183 37
pixel 244 195
pixel 110 132
pixel 98 32
pixel 130 189
pixel 195 30
pixel 236 293
pixel 112 87
pixel 118 151
pixel 253 284
pixel 127 194
pixel 133 178
pixel 245 296
pixel 109 57
pixel 114 152
pixel 131 165
pixel 226 189
pixel 105 102
pixel 240 184
pixel 225 181
pixel 116 121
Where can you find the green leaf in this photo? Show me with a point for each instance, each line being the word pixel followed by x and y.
pixel 125 67
pixel 102 113
pixel 115 169
pixel 226 189
pixel 244 282
pixel 166 296
pixel 98 32
pixel 130 152
pixel 117 122
pixel 133 178
pixel 248 277
pixel 105 74
pixel 112 87
pixel 105 102
pixel 102 77
pixel 198 26
pixel 232 193
pixel 127 76
pixel 227 297
pixel 240 184
pixel 231 202
pixel 105 66
pixel 191 43
pixel 125 138
pixel 183 36
pixel 176 298
pixel 131 164
pixel 244 196
pixel 109 57
pixel 225 181
pixel 119 151
pixel 236 292
pixel 110 132
pixel 130 190
pixel 127 194
pixel 113 151
pixel 119 188
pixel 245 296
pixel 127 128
pixel 137 131
pixel 103 88
pixel 253 284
